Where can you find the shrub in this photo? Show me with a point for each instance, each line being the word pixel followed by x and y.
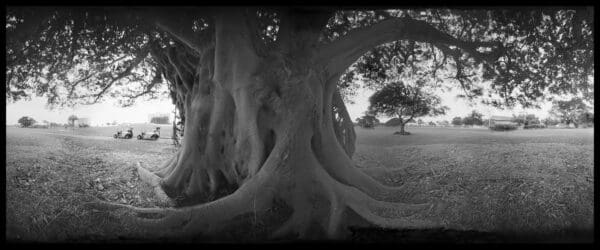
pixel 534 126
pixel 503 127
pixel 38 126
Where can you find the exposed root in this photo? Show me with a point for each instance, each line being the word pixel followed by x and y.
pixel 154 181
pixel 297 224
pixel 341 197
pixel 189 221
pixel 168 166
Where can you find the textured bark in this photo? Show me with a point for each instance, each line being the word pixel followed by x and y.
pixel 264 126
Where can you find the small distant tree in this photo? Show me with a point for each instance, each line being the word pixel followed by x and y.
pixel 405 102
pixel 26 121
pixel 457 121
pixel 367 121
pixel 443 123
pixel 420 122
pixel 475 118
pixel 586 118
pixel 72 119
pixel 531 119
pixel 569 111
pixel 431 123
pixel 160 119
pixel 550 121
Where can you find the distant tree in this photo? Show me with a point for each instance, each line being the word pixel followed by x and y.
pixel 367 121
pixel 531 119
pixel 586 118
pixel 431 123
pixel 569 111
pixel 162 119
pixel 474 118
pixel 26 121
pixel 420 122
pixel 443 123
pixel 550 121
pixel 518 119
pixel 457 121
pixel 405 102
pixel 72 119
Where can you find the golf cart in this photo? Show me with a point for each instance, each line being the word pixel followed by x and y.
pixel 150 135
pixel 120 135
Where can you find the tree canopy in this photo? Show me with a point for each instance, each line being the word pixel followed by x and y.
pixel 503 56
pixel 26 121
pixel 474 118
pixel 406 102
pixel 570 111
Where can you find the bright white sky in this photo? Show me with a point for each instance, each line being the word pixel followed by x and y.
pixel 108 111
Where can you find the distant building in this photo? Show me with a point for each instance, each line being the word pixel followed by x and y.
pixel 501 120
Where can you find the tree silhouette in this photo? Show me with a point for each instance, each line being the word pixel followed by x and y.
pixel 261 91
pixel 26 121
pixel 406 102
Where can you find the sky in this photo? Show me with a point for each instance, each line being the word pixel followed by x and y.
pixel 108 111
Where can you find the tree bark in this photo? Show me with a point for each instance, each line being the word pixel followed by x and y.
pixel 261 128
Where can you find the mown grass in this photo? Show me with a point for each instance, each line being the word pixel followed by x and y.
pixel 521 182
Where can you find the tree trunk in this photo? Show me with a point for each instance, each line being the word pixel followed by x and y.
pixel 266 129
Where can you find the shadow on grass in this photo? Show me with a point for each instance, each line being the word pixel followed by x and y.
pixel 373 235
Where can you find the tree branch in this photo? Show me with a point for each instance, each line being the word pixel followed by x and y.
pixel 186 38
pixel 140 57
pixel 338 55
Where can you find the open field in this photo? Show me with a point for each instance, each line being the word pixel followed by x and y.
pixel 537 183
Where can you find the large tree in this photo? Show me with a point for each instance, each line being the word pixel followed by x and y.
pixel 26 121
pixel 260 93
pixel 569 111
pixel 405 102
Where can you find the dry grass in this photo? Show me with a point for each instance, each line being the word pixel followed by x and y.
pixel 519 182
pixel 515 183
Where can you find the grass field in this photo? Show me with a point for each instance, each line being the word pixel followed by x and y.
pixel 524 182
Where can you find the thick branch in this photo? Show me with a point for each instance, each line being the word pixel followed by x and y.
pixel 338 55
pixel 179 34
pixel 140 57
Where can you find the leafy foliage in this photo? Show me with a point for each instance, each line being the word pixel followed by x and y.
pixel 570 111
pixel 474 118
pixel 367 121
pixel 26 121
pixel 164 119
pixel 457 121
pixel 528 119
pixel 406 102
pixel 78 55
pixel 544 51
